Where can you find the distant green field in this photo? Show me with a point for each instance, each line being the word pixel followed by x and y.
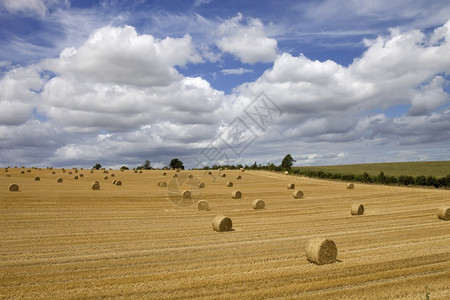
pixel 426 168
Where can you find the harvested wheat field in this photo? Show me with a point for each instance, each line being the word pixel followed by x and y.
pixel 66 240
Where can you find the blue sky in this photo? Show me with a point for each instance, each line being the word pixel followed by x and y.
pixel 119 82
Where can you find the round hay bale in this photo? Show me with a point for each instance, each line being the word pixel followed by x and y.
pixel 258 204
pixel 95 186
pixel 113 175
pixel 236 194
pixel 222 223
pixel 70 172
pixel 175 175
pixel 159 183
pixel 186 194
pixel 286 173
pixel 229 184
pixel 114 181
pixel 238 177
pixel 37 178
pixel 13 187
pixel 242 170
pixel 105 171
pixel 164 174
pixel 75 177
pixel 203 205
pixel 223 175
pixel 321 251
pixel 6 170
pixel 81 175
pixel 291 186
pixel 75 171
pixel 22 172
pixel 298 194
pixel 28 171
pixel 178 170
pixel 357 209
pixel 92 171
pixel 59 180
pixel 140 172
pixel 96 182
pixel 444 213
pixel 105 178
pixel 190 176
pixel 135 171
pixel 209 173
pixel 201 185
pixel 163 184
pixel 53 172
pixel 119 183
pixel 350 186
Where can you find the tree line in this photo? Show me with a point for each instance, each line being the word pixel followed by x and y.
pixel 381 178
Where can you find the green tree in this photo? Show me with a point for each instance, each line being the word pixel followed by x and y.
pixel 124 168
pixel 287 162
pixel 147 165
pixel 97 167
pixel 176 163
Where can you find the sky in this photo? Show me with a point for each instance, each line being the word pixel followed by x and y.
pixel 209 82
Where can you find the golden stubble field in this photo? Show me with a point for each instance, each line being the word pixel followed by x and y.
pixel 64 240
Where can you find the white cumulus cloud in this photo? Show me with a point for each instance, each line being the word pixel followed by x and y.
pixel 248 42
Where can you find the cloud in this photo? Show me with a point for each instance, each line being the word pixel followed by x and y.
pixel 17 99
pixel 238 71
pixel 26 6
pixel 201 2
pixel 326 102
pixel 247 42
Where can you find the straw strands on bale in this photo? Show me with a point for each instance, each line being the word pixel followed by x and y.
pixel 229 184
pixel 37 178
pixel 291 186
pixel 59 179
pixel 186 194
pixel 236 194
pixel 222 223
pixel 350 186
pixel 298 194
pixel 258 204
pixel 357 209
pixel 321 251
pixel 203 205
pixel 444 213
pixel 201 185
pixel 13 187
pixel 95 186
